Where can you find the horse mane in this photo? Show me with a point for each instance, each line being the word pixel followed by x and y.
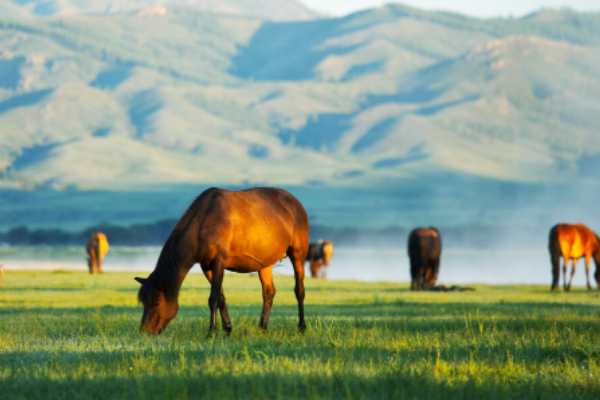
pixel 167 266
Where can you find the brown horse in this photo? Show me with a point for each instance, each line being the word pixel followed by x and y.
pixel 424 250
pixel 242 231
pixel 573 242
pixel 96 247
pixel 319 255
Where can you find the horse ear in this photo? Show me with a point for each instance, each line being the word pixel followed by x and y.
pixel 162 286
pixel 141 280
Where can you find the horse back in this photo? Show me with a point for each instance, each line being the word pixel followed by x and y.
pixel 575 240
pixel 252 228
pixel 424 243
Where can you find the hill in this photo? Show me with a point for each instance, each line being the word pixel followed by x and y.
pixel 278 10
pixel 135 98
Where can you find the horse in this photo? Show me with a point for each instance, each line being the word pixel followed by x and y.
pixel 96 248
pixel 319 255
pixel 573 242
pixel 241 231
pixel 424 250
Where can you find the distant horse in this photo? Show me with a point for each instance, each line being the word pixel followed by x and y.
pixel 96 247
pixel 242 231
pixel 573 242
pixel 319 255
pixel 424 250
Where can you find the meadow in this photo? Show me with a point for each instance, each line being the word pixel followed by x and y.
pixel 67 335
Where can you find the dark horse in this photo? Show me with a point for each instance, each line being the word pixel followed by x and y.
pixel 424 250
pixel 243 231
pixel 573 242
pixel 319 255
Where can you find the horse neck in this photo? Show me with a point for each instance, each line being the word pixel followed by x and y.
pixel 174 265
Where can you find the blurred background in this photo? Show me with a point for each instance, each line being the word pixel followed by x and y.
pixel 479 118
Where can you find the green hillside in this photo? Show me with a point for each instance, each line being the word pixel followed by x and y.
pixel 137 97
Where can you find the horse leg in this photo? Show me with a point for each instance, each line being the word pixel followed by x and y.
pixel 555 260
pixel 99 267
pixel 314 268
pixel 268 290
pixel 428 275
pixel 436 270
pixel 587 271
pixel 414 272
pixel 565 265
pixel 421 277
pixel 216 287
pixel 227 327
pixel 573 266
pixel 296 259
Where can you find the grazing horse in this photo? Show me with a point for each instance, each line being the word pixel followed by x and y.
pixel 241 231
pixel 319 255
pixel 96 247
pixel 573 242
pixel 424 250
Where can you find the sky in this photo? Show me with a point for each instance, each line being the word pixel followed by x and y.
pixel 475 8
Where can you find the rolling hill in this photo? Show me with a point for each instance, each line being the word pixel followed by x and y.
pixel 143 97
pixel 278 10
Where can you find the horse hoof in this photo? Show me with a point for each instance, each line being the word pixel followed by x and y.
pixel 227 329
pixel 302 327
pixel 212 332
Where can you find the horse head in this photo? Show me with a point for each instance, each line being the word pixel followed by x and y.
pixel 159 307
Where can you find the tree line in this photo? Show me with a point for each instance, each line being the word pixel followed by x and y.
pixel 156 233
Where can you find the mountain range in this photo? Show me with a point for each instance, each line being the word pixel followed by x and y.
pixel 276 10
pixel 149 93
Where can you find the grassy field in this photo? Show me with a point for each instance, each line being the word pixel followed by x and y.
pixel 68 335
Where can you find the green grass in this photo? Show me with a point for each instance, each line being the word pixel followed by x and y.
pixel 70 335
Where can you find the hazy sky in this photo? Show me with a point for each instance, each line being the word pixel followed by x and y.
pixel 478 8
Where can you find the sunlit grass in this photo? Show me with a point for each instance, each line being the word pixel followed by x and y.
pixel 71 335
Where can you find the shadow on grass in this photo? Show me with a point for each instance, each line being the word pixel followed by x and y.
pixel 398 383
pixel 400 315
pixel 399 308
pixel 43 289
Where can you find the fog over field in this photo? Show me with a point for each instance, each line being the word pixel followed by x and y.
pixel 365 264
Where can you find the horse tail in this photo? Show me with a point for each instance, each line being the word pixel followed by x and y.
pixel 327 252
pixel 97 249
pixel 555 253
pixel 415 257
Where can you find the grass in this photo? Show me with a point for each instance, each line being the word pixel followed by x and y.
pixel 69 335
